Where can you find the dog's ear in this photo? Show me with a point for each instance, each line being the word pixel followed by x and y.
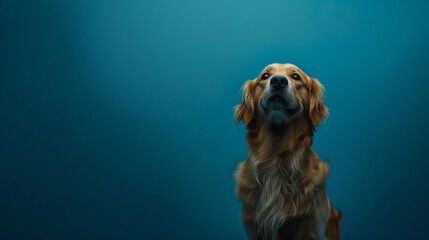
pixel 245 110
pixel 317 110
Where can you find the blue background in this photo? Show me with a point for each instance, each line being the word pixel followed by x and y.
pixel 116 116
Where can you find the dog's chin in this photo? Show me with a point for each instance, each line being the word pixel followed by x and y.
pixel 279 114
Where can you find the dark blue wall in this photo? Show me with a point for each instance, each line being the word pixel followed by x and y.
pixel 116 116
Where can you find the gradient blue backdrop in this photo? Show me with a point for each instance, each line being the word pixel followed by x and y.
pixel 116 116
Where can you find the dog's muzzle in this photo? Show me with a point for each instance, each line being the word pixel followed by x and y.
pixel 278 104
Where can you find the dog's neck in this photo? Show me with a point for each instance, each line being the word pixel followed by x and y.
pixel 291 144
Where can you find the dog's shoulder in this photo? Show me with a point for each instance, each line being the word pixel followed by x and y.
pixel 318 170
pixel 246 185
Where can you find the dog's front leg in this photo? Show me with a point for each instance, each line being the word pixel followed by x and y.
pixel 307 227
pixel 247 217
pixel 247 189
pixel 310 229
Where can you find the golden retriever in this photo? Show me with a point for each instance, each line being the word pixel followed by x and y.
pixel 282 183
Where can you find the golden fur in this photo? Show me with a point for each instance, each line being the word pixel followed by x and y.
pixel 282 183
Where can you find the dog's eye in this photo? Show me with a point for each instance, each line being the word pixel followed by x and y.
pixel 265 76
pixel 296 76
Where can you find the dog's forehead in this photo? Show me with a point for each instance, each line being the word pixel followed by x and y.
pixel 282 67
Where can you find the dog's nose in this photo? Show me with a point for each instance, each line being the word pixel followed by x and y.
pixel 278 82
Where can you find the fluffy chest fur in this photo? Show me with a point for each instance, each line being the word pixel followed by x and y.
pixel 281 188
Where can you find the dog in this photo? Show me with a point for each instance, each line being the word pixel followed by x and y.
pixel 282 183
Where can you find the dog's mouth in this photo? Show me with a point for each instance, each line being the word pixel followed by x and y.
pixel 279 103
pixel 279 110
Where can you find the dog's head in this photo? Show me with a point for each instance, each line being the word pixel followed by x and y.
pixel 281 95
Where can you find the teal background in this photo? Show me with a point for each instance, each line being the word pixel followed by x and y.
pixel 116 116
